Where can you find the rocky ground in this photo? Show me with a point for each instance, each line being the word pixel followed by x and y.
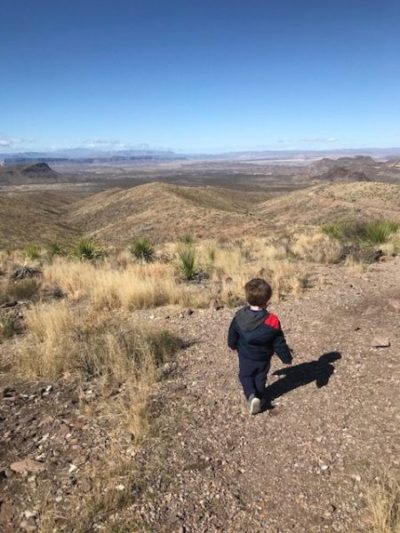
pixel 303 465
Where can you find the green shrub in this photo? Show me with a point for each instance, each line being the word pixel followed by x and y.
pixel 54 249
pixel 86 250
pixel 142 249
pixel 187 257
pixel 379 231
pixel 186 239
pixel 32 252
pixel 374 232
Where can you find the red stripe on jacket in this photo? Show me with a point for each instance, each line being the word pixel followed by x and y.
pixel 272 321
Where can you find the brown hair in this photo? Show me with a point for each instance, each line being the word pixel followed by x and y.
pixel 258 292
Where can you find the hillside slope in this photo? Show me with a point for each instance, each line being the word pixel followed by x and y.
pixel 322 203
pixel 164 212
pixel 34 217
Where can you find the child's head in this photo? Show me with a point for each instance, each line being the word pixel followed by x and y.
pixel 258 292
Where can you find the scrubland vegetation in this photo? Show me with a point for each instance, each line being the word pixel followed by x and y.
pixel 384 505
pixel 79 323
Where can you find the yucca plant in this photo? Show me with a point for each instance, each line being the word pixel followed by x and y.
pixel 373 232
pixel 32 252
pixel 379 231
pixel 187 257
pixel 143 250
pixel 86 250
pixel 54 249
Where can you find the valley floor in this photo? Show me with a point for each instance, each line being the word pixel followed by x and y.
pixel 303 466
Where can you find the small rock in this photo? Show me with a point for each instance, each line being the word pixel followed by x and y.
pixel 28 525
pixel 26 466
pixel 85 485
pixel 6 512
pixel 72 468
pixel 394 303
pixel 380 342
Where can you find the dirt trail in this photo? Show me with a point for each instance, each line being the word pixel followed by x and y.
pixel 303 466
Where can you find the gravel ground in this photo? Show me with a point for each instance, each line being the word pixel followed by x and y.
pixel 303 465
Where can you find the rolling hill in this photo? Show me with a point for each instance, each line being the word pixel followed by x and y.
pixel 34 217
pixel 330 202
pixel 164 212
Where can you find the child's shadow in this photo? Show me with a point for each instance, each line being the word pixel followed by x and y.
pixel 319 371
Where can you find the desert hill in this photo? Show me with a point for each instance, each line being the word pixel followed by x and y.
pixel 34 218
pixel 322 203
pixel 165 212
pixel 339 173
pixel 27 173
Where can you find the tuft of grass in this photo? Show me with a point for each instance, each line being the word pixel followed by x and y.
pixel 54 249
pixel 318 248
pixel 62 340
pixel 384 505
pixel 187 258
pixel 186 238
pixel 143 250
pixel 87 250
pixel 32 252
pixel 373 232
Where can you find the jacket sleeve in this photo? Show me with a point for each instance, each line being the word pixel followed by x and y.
pixel 281 349
pixel 233 335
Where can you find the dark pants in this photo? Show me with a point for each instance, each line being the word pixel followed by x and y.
pixel 253 376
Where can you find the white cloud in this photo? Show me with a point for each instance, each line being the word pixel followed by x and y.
pixel 11 142
pixel 307 140
pixel 104 143
pixel 114 144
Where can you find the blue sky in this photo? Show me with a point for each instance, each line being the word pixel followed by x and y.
pixel 199 75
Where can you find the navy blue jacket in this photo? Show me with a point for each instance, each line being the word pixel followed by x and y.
pixel 257 335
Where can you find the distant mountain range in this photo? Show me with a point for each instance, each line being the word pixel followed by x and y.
pixel 88 155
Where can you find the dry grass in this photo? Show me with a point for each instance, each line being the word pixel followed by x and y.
pixel 384 506
pixel 317 247
pixel 135 287
pixel 234 264
pixel 73 340
pixel 392 246
pixel 353 266
pixel 63 340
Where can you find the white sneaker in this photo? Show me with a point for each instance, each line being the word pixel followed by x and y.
pixel 254 405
